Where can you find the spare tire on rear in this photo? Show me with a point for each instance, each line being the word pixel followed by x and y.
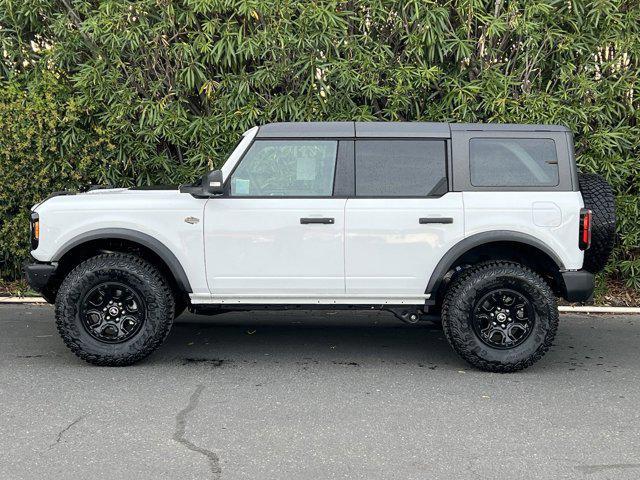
pixel 598 197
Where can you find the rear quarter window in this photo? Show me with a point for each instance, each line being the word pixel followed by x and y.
pixel 513 162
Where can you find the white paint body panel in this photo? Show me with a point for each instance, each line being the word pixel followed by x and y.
pixel 520 211
pixel 388 251
pixel 256 250
pixel 158 213
pixel 259 246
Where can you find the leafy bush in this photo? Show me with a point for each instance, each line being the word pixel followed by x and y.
pixel 43 148
pixel 155 91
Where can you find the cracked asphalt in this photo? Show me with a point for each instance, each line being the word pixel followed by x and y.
pixel 316 395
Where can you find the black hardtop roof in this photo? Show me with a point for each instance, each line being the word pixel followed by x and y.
pixel 390 129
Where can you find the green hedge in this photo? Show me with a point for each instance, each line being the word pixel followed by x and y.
pixel 156 91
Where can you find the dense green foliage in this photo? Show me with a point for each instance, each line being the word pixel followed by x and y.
pixel 154 91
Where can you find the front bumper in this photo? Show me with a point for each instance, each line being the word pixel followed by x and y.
pixel 578 285
pixel 39 275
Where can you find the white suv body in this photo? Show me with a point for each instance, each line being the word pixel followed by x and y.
pixel 339 214
pixel 255 250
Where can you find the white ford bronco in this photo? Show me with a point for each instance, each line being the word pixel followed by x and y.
pixel 483 225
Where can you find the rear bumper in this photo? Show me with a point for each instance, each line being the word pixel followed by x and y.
pixel 39 275
pixel 578 285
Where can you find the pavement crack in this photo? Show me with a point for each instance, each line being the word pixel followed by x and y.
pixel 181 427
pixel 65 430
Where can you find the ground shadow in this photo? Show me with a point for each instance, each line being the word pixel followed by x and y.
pixel 347 337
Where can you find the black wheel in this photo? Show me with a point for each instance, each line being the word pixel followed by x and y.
pixel 598 197
pixel 500 316
pixel 114 309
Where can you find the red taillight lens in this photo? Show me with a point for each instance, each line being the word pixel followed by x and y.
pixel 584 239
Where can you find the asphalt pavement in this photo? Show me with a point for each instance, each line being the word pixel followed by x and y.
pixel 317 395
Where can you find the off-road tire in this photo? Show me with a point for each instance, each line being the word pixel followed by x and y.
pixel 598 197
pixel 459 302
pixel 131 271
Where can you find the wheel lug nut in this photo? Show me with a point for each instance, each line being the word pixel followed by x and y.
pixel 494 323
pixel 503 325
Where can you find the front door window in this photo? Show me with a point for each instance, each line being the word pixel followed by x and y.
pixel 286 168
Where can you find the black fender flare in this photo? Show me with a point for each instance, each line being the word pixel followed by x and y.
pixel 143 239
pixel 466 244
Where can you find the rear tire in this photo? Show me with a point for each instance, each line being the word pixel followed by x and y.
pixel 114 309
pixel 500 316
pixel 598 197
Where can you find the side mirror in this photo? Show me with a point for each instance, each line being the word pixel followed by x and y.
pixel 213 183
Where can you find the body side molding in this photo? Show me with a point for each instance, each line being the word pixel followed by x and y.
pixel 143 239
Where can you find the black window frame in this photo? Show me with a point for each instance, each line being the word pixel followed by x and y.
pixel 447 167
pixel 344 181
pixel 461 169
pixel 521 137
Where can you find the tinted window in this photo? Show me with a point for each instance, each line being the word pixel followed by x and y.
pixel 286 168
pixel 400 168
pixel 514 162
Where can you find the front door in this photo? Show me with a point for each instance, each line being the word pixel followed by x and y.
pixel 278 233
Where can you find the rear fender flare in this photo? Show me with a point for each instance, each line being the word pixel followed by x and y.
pixel 465 245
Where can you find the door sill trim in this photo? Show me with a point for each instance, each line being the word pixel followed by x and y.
pixel 309 299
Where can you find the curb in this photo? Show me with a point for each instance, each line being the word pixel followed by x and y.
pixel 561 309
pixel 13 300
pixel 589 309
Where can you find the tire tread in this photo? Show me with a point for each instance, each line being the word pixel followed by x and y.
pixel 164 304
pixel 599 198
pixel 454 310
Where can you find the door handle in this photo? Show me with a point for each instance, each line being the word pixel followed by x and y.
pixel 308 220
pixel 425 220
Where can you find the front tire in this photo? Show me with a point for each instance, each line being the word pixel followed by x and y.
pixel 500 316
pixel 114 309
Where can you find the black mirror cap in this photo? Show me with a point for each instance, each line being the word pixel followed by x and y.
pixel 213 183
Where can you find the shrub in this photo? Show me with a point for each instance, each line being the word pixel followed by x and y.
pixel 43 148
pixel 154 91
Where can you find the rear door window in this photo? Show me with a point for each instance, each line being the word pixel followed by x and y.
pixel 513 162
pixel 400 168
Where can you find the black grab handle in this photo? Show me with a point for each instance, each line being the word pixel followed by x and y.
pixel 307 220
pixel 425 220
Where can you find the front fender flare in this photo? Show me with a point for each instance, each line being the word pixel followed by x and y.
pixel 143 239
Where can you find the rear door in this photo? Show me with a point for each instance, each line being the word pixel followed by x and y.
pixel 402 219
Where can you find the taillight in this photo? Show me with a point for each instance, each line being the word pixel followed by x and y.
pixel 35 230
pixel 584 239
